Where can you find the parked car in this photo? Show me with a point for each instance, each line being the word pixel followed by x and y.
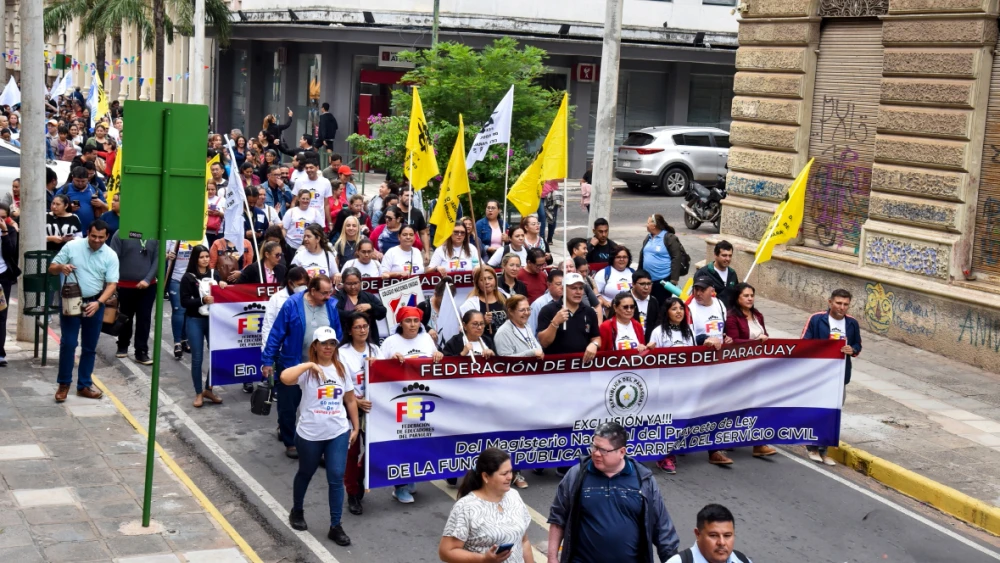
pixel 10 167
pixel 672 157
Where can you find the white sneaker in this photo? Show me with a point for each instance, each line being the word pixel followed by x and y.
pixel 827 460
pixel 815 456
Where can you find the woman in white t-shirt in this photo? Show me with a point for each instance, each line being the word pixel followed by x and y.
pixel 364 260
pixel 456 254
pixel 622 332
pixel 356 354
pixel 180 255
pixel 403 261
pixel 298 217
pixel 616 277
pixel 673 331
pixel 488 514
pixel 316 255
pixel 410 341
pixel 323 429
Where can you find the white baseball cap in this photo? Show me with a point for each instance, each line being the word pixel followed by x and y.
pixel 324 334
pixel 572 278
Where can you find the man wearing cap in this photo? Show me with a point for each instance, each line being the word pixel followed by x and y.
pixel 346 178
pixel 581 332
pixel 84 199
pixel 708 321
pixel 288 345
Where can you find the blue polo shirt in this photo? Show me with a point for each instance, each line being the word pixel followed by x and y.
pixel 86 211
pixel 93 268
pixel 610 525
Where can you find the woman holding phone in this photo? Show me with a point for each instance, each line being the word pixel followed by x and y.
pixel 489 520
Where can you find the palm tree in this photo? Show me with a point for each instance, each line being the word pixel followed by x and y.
pixel 106 18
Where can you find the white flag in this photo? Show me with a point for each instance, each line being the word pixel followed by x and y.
pixel 11 95
pixel 236 199
pixel 496 130
pixel 58 88
pixel 92 100
pixel 449 320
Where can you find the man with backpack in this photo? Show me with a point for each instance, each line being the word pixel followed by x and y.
pixel 714 539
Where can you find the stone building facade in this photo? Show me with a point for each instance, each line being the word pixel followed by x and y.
pixel 899 103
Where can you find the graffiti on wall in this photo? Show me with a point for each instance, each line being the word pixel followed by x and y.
pixel 840 182
pixel 878 308
pixel 979 330
pixel 885 309
pixel 907 257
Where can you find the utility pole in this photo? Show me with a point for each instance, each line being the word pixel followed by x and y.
pixel 607 106
pixel 197 84
pixel 32 235
pixel 437 17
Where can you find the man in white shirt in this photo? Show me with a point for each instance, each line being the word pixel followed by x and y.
pixel 319 187
pixel 715 537
pixel 708 322
pixel 555 293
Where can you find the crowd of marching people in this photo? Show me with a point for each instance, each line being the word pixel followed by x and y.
pixel 309 230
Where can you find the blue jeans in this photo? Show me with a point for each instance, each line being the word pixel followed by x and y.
pixel 71 329
pixel 177 325
pixel 289 397
pixel 197 330
pixel 336 462
pixel 541 219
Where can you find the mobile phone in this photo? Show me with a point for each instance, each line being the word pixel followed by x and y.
pixel 501 549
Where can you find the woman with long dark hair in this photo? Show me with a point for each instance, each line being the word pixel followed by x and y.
pixel 486 298
pixel 743 321
pixel 622 332
pixel 472 342
pixel 356 353
pixel 488 514
pixel 350 299
pixel 403 261
pixel 673 329
pixel 196 302
pixel 323 430
pixel 316 254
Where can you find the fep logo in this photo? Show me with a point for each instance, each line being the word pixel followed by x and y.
pixel 249 320
pixel 329 392
pixel 416 404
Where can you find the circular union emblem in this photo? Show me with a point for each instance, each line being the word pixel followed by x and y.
pixel 626 394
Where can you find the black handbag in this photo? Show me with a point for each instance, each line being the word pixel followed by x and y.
pixel 262 398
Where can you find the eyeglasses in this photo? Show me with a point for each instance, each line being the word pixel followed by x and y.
pixel 351 284
pixel 596 450
pixel 362 328
pixel 644 284
pixel 278 255
pixel 475 324
pixel 627 307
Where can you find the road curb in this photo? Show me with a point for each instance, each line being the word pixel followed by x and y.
pixel 946 499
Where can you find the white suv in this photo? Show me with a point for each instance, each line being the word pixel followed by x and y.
pixel 10 167
pixel 671 157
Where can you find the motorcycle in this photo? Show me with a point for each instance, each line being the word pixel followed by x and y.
pixel 704 205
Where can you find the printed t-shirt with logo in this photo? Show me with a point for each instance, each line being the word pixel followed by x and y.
pixel 323 262
pixel 709 321
pixel 626 338
pixel 354 365
pixel 320 189
pixel 373 269
pixel 420 346
pixel 457 261
pixel 838 329
pixel 641 309
pixel 295 223
pixel 397 260
pixel 183 251
pixel 611 282
pixel 668 339
pixel 322 415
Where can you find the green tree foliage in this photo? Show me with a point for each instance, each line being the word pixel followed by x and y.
pixel 452 79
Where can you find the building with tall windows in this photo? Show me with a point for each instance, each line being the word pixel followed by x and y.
pixel 678 59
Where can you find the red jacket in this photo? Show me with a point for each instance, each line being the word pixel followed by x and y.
pixel 738 327
pixel 609 333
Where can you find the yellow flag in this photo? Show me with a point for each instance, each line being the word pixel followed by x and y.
pixel 114 184
pixel 208 167
pixel 102 99
pixel 784 225
pixel 420 165
pixel 555 150
pixel 454 186
pixel 526 193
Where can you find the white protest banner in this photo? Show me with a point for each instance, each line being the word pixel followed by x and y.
pixel 496 130
pixel 462 284
pixel 406 293
pixel 235 321
pixel 431 420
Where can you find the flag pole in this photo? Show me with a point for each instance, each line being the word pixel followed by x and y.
pixel 409 210
pixel 465 338
pixel 253 233
pixel 506 187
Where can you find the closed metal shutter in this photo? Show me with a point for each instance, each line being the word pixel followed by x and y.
pixel 842 138
pixel 986 246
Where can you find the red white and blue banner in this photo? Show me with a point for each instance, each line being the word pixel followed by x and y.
pixel 431 420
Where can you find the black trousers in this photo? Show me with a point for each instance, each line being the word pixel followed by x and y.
pixel 5 283
pixel 136 305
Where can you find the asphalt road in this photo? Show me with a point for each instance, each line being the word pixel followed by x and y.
pixel 787 509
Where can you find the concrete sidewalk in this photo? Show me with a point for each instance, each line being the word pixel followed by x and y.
pixel 927 413
pixel 72 475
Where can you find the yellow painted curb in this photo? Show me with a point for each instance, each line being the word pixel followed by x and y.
pixel 942 497
pixel 169 461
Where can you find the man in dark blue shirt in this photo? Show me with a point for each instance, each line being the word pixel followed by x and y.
pixel 609 509
pixel 84 199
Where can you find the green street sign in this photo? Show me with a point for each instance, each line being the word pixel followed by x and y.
pixel 166 152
